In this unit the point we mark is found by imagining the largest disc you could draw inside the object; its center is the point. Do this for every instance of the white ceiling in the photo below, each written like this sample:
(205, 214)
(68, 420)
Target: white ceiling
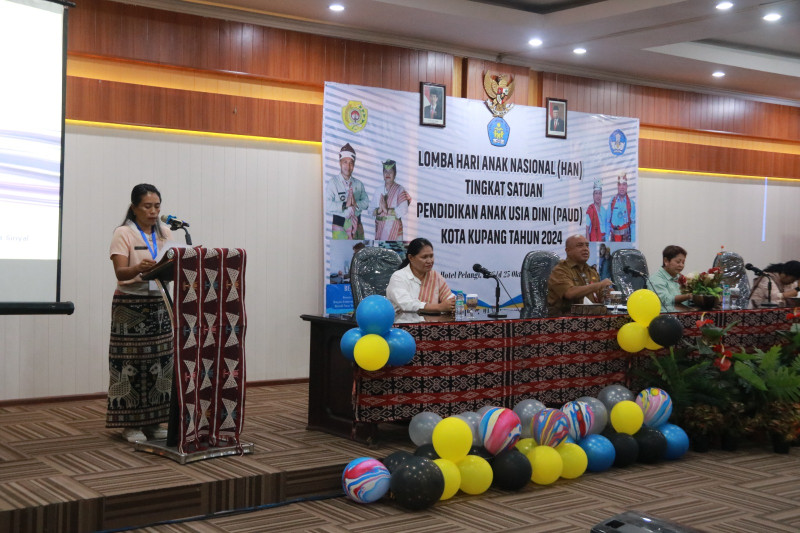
(667, 43)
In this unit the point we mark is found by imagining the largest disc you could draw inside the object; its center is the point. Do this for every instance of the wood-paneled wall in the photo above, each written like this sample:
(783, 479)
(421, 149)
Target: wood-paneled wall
(103, 30)
(676, 109)
(720, 117)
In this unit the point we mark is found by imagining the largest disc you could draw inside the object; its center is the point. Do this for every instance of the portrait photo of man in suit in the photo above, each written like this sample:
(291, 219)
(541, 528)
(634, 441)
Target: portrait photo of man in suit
(556, 118)
(432, 103)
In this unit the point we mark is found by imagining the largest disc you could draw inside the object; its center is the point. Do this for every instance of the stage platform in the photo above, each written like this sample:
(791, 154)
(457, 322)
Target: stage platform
(61, 470)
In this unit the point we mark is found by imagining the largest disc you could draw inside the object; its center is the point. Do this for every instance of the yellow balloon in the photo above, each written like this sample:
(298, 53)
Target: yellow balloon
(525, 445)
(650, 344)
(452, 439)
(546, 463)
(627, 417)
(644, 306)
(574, 458)
(371, 352)
(476, 474)
(631, 337)
(452, 477)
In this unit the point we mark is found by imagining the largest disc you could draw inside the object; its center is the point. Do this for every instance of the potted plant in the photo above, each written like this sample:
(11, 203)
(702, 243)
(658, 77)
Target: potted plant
(704, 424)
(705, 287)
(772, 394)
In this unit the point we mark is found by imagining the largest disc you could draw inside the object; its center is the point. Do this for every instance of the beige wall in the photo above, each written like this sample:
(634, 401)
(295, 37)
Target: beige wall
(266, 197)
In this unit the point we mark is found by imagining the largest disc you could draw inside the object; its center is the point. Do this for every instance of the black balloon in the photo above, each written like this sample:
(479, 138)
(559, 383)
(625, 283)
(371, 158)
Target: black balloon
(395, 459)
(480, 451)
(427, 451)
(417, 484)
(652, 445)
(608, 431)
(511, 470)
(665, 330)
(626, 448)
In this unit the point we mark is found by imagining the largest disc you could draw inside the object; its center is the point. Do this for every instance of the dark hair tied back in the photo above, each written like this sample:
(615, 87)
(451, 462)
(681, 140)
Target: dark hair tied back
(790, 268)
(137, 193)
(414, 248)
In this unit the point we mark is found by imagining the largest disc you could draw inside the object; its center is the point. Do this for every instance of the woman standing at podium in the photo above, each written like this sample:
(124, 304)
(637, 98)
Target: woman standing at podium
(140, 349)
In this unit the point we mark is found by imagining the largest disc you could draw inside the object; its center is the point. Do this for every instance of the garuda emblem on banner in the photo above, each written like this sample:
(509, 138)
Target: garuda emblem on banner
(499, 89)
(354, 116)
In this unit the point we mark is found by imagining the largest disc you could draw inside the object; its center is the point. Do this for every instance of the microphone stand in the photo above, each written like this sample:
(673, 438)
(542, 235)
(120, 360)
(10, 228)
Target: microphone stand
(496, 313)
(176, 226)
(769, 302)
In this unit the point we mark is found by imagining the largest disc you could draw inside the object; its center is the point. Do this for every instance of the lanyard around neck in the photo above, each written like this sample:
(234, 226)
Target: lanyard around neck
(154, 248)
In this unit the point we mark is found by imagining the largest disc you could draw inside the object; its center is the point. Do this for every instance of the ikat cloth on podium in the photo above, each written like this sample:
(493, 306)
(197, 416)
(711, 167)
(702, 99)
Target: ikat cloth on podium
(208, 299)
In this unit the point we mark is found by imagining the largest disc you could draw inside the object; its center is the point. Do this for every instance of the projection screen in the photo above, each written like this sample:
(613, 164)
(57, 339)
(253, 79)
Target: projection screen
(32, 37)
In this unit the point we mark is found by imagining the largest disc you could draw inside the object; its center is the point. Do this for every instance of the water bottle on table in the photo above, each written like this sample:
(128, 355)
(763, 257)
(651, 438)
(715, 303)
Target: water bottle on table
(459, 305)
(726, 297)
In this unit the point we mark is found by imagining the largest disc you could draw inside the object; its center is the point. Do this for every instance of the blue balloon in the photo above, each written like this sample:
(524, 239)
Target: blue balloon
(677, 441)
(348, 343)
(402, 346)
(375, 314)
(599, 451)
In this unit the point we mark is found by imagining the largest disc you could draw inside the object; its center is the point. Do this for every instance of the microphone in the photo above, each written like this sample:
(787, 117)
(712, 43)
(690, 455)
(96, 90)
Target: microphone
(481, 270)
(173, 221)
(633, 272)
(756, 270)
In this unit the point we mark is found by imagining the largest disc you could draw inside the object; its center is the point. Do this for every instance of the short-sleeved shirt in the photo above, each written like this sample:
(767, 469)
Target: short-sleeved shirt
(127, 241)
(565, 275)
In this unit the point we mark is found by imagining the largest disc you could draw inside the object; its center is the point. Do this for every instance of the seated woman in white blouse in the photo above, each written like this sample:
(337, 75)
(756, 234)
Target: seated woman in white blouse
(416, 286)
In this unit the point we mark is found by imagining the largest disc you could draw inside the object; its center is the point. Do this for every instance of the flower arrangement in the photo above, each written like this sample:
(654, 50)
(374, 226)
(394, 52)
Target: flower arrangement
(709, 282)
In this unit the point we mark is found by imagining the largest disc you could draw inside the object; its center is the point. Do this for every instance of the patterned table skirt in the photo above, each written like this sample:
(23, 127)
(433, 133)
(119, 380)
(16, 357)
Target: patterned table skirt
(462, 366)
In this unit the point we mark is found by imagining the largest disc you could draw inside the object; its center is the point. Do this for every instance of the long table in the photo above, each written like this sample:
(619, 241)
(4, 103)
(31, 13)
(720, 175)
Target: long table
(463, 365)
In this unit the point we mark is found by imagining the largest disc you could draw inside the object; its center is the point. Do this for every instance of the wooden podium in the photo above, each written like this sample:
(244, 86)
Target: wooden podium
(209, 324)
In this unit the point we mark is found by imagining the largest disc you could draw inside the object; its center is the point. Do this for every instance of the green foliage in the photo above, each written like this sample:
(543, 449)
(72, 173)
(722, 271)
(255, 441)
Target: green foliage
(765, 378)
(688, 381)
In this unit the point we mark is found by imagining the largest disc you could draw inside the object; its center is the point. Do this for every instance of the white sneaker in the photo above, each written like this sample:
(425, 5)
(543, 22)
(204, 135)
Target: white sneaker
(155, 432)
(133, 435)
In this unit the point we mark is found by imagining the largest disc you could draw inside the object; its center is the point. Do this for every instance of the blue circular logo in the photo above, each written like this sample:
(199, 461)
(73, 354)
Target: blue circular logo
(617, 142)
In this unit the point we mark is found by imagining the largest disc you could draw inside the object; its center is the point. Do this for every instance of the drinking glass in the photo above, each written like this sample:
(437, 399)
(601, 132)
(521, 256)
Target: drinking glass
(472, 304)
(616, 301)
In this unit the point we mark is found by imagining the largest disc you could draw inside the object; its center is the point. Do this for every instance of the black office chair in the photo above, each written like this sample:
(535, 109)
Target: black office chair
(536, 268)
(370, 270)
(734, 275)
(625, 282)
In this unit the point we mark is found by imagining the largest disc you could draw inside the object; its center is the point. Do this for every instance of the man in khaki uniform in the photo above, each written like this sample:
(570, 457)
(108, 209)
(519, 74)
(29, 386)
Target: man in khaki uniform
(572, 279)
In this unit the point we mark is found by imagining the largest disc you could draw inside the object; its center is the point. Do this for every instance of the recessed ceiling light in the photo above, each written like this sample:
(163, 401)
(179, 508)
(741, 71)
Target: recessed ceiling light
(579, 51)
(719, 74)
(535, 42)
(336, 7)
(724, 5)
(772, 17)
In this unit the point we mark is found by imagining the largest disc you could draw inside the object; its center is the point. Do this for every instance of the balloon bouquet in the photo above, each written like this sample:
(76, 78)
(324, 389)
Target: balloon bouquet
(374, 343)
(649, 328)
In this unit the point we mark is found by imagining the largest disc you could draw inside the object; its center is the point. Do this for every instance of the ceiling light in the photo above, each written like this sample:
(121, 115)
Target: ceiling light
(722, 6)
(719, 74)
(336, 7)
(772, 17)
(535, 42)
(579, 51)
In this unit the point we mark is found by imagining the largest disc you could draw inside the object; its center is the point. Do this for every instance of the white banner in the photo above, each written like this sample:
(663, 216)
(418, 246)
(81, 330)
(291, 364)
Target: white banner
(476, 201)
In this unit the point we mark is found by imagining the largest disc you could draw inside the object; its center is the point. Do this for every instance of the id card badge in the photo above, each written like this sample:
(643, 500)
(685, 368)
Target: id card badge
(153, 286)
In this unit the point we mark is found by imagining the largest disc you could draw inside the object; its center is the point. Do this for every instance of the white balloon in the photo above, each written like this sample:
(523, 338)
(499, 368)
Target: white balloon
(526, 410)
(474, 420)
(600, 414)
(420, 429)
